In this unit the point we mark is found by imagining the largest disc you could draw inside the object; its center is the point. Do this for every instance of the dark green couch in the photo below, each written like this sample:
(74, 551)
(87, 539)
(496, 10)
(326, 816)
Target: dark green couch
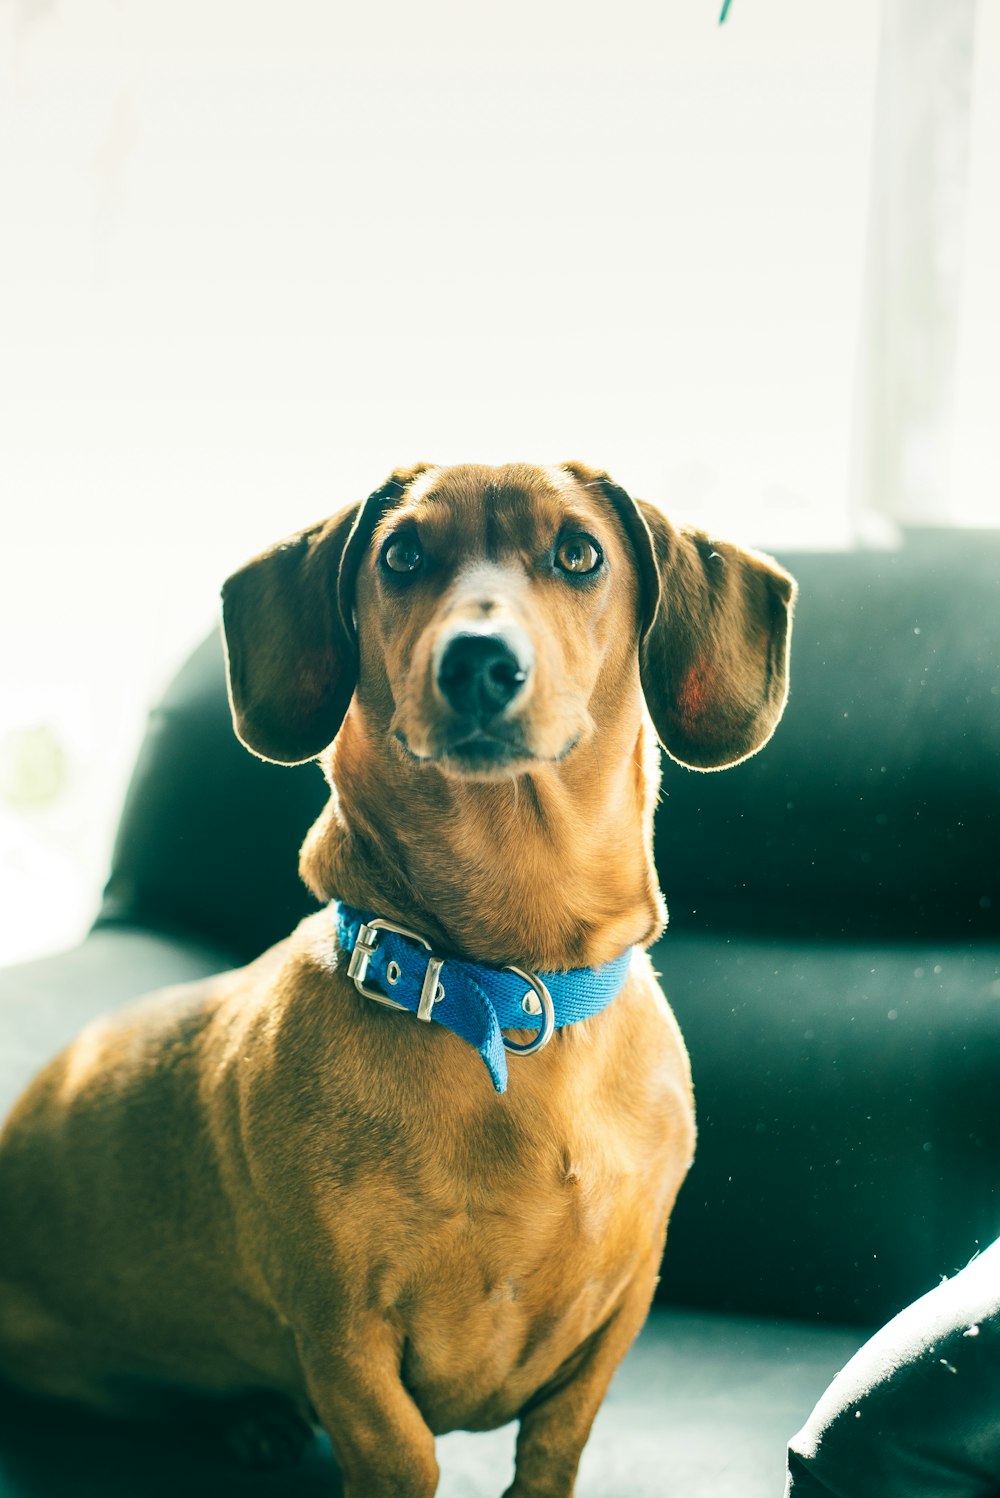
(833, 958)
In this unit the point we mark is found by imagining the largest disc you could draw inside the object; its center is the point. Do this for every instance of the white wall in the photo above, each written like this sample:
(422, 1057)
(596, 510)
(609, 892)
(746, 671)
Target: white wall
(252, 256)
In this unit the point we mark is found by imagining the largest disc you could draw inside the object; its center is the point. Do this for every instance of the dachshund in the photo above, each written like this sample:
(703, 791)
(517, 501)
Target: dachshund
(411, 1169)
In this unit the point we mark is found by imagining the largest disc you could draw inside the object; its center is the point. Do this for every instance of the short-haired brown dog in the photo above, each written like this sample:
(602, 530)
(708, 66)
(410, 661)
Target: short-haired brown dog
(267, 1185)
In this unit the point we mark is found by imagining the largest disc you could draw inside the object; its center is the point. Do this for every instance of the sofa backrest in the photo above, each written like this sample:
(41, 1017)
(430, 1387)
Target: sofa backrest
(209, 835)
(874, 811)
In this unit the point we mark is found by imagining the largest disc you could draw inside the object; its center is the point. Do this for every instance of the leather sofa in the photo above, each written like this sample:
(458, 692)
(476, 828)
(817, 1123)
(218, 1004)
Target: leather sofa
(833, 958)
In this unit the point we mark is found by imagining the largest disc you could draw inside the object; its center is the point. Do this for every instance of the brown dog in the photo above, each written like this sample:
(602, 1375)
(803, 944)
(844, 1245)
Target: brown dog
(268, 1182)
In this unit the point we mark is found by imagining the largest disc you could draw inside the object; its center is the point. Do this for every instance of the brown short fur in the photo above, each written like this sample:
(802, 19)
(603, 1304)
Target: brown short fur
(266, 1182)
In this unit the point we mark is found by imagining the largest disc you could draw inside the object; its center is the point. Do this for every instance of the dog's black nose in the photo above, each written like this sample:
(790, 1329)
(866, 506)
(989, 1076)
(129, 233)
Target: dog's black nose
(480, 674)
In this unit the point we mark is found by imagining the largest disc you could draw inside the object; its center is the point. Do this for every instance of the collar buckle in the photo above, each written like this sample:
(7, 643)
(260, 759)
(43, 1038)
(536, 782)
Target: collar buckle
(364, 949)
(537, 1000)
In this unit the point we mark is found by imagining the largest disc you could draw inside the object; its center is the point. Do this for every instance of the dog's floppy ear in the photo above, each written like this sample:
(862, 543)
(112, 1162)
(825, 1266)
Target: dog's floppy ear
(290, 641)
(715, 626)
(714, 659)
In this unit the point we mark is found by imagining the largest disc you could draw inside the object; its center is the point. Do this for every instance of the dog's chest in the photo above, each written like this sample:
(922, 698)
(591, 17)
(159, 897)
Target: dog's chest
(519, 1267)
(494, 1236)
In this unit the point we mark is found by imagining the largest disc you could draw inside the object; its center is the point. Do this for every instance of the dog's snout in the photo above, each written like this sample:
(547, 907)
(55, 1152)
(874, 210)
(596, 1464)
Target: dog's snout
(480, 674)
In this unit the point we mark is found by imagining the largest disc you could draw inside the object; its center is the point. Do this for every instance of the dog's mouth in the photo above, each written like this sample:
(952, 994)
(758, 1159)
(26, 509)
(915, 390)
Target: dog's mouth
(481, 753)
(481, 749)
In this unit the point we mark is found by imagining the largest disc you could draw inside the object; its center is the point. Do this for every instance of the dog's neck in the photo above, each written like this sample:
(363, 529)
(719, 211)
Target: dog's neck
(551, 870)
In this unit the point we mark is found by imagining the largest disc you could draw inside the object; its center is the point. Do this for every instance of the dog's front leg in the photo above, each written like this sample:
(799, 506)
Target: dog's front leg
(382, 1444)
(554, 1428)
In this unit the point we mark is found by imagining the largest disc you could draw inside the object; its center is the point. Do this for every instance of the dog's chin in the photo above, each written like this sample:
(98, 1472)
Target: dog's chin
(482, 756)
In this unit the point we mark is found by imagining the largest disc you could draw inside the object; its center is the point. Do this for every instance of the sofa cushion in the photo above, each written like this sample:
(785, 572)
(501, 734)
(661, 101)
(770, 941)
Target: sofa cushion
(45, 1003)
(708, 1402)
(847, 1116)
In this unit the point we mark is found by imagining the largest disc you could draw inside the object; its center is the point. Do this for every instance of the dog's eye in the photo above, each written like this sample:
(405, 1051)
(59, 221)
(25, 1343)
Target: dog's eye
(404, 554)
(578, 555)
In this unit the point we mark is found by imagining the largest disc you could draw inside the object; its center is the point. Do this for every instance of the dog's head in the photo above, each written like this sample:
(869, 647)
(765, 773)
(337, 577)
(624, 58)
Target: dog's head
(490, 619)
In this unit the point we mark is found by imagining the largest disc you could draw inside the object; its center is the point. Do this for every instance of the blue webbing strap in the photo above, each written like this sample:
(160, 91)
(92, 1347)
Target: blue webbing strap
(478, 1001)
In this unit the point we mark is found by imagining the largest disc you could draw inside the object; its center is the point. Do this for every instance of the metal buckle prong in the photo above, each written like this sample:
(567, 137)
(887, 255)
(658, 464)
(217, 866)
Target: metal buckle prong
(362, 953)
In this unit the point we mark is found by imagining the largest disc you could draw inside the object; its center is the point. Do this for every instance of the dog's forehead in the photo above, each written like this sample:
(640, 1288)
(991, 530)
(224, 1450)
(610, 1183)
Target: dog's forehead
(477, 506)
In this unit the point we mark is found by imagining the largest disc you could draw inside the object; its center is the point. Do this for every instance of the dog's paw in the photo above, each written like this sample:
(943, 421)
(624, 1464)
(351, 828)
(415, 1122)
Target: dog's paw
(267, 1432)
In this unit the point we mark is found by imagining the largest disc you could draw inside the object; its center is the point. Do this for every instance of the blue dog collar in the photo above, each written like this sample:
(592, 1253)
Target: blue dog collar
(476, 1002)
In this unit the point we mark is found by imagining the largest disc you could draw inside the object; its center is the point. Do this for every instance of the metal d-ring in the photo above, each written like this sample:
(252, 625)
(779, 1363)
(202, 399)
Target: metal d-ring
(548, 1015)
